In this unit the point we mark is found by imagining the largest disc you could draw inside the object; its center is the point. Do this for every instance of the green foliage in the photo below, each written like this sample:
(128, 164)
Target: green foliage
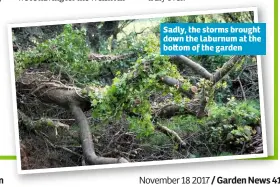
(158, 139)
(184, 124)
(234, 121)
(67, 53)
(243, 113)
(227, 125)
(131, 90)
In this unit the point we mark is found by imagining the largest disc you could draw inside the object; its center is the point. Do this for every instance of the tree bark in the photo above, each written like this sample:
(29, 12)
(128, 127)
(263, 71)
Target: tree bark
(193, 65)
(86, 140)
(193, 108)
(71, 98)
(218, 75)
(172, 134)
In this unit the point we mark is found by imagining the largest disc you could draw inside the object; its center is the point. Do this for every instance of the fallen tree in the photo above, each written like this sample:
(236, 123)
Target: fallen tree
(77, 100)
(144, 92)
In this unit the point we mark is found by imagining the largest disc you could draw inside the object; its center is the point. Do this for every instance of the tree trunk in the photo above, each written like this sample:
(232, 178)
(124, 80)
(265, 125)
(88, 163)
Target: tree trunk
(71, 98)
(86, 140)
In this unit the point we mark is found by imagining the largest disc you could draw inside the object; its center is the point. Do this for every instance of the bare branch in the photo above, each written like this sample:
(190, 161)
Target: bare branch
(218, 75)
(172, 134)
(35, 124)
(100, 57)
(242, 89)
(193, 107)
(195, 66)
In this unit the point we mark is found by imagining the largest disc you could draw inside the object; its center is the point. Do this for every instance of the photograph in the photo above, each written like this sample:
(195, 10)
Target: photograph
(96, 93)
